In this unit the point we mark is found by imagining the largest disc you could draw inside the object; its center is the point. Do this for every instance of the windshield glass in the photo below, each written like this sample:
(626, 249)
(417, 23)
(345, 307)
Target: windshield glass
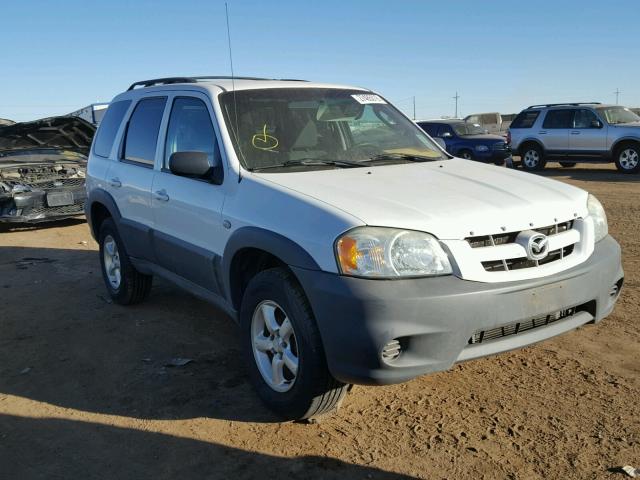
(615, 115)
(465, 128)
(318, 127)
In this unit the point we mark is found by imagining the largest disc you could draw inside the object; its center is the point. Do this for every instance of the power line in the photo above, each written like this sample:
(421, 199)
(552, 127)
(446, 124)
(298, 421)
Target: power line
(617, 92)
(456, 99)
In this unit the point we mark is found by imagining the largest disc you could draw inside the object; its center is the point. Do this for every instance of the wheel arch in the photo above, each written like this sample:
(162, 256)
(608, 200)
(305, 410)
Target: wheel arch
(100, 205)
(529, 141)
(624, 141)
(251, 250)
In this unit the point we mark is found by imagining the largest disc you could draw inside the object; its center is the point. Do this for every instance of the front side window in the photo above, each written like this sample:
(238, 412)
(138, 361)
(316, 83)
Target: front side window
(558, 119)
(191, 130)
(617, 115)
(584, 118)
(310, 128)
(142, 134)
(109, 127)
(445, 131)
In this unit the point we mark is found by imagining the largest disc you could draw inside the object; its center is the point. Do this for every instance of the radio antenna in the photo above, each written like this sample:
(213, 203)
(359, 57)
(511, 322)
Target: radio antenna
(233, 87)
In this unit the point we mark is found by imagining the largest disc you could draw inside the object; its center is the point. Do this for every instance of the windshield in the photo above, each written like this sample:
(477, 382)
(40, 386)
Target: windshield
(464, 129)
(320, 128)
(615, 115)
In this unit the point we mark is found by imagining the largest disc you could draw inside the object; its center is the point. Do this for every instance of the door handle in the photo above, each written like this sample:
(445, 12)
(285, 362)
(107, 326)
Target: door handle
(542, 132)
(161, 195)
(575, 133)
(115, 182)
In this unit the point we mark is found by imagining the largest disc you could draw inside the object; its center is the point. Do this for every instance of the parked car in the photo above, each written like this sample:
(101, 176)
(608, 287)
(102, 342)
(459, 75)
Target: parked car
(469, 141)
(42, 169)
(346, 243)
(577, 132)
(493, 122)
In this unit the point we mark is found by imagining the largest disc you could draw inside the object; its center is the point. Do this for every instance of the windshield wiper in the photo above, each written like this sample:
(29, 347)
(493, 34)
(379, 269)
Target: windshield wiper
(311, 162)
(402, 156)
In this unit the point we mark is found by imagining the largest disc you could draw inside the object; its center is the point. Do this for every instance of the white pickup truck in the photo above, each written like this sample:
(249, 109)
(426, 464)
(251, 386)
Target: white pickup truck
(348, 245)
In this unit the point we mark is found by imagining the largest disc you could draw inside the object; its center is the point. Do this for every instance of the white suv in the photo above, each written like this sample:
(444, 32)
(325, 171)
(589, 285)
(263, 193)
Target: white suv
(347, 244)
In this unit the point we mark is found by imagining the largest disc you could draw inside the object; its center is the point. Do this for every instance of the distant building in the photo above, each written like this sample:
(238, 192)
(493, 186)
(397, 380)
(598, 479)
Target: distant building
(92, 113)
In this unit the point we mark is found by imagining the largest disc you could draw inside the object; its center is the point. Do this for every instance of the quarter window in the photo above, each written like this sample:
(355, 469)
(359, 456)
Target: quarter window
(190, 130)
(525, 119)
(558, 119)
(142, 132)
(109, 127)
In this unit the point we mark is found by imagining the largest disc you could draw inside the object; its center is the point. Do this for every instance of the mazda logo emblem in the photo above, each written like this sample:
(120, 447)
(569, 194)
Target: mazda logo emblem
(535, 244)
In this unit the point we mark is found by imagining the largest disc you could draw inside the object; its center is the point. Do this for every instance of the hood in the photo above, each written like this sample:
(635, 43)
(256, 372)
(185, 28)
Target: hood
(633, 125)
(483, 136)
(65, 133)
(449, 198)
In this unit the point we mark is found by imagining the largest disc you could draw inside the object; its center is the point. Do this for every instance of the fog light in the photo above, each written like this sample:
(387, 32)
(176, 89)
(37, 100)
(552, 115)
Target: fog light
(391, 350)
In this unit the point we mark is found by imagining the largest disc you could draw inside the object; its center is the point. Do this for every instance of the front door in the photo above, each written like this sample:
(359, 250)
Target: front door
(588, 135)
(189, 237)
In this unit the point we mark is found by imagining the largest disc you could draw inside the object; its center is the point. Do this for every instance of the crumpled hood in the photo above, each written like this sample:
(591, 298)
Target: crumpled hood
(68, 133)
(451, 199)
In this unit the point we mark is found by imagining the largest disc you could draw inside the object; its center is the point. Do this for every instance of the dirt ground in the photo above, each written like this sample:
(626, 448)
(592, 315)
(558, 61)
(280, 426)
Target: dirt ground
(85, 391)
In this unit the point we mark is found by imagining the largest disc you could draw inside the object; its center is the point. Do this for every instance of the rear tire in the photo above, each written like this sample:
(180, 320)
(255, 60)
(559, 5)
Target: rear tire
(272, 303)
(126, 286)
(532, 158)
(628, 158)
(568, 164)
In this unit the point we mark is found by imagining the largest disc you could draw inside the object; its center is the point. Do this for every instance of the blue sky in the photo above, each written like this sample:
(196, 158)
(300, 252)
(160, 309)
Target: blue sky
(499, 55)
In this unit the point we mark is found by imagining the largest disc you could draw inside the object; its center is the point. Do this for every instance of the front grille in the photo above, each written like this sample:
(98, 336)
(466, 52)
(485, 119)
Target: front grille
(483, 336)
(48, 184)
(77, 208)
(500, 146)
(518, 263)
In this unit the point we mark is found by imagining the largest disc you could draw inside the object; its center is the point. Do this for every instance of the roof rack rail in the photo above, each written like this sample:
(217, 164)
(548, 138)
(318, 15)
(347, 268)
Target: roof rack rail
(171, 80)
(573, 104)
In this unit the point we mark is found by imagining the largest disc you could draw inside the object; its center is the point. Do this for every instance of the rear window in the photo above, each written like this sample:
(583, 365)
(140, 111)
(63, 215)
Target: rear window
(525, 119)
(109, 127)
(142, 133)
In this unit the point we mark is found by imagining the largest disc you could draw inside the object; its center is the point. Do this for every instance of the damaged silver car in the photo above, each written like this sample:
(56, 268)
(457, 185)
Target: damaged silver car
(42, 169)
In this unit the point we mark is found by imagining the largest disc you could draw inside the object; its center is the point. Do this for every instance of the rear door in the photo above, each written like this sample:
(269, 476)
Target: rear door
(554, 134)
(130, 178)
(588, 135)
(189, 237)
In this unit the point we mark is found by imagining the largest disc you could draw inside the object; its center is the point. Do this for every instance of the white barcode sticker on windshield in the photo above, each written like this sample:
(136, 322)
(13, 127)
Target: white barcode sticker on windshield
(365, 98)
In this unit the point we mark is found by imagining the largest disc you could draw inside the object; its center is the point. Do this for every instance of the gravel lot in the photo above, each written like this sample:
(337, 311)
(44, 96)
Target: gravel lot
(85, 393)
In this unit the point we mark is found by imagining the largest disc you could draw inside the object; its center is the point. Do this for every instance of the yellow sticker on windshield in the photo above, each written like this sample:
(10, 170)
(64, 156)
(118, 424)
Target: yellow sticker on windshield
(264, 141)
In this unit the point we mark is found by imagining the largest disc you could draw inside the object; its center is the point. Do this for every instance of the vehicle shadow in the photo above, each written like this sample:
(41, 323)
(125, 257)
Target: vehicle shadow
(34, 448)
(63, 342)
(597, 172)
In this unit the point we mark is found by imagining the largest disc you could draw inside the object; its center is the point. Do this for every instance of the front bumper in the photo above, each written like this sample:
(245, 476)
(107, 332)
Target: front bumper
(434, 318)
(38, 205)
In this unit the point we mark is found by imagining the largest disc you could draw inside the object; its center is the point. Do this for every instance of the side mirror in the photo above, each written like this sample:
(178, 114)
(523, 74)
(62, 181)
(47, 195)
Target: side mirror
(190, 164)
(446, 135)
(596, 124)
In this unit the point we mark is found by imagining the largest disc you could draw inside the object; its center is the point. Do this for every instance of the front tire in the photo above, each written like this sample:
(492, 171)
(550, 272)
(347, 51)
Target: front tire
(532, 158)
(126, 286)
(466, 154)
(283, 349)
(628, 159)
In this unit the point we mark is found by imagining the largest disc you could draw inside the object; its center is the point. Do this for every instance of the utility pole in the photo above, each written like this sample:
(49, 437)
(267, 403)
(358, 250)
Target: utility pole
(414, 107)
(456, 98)
(617, 92)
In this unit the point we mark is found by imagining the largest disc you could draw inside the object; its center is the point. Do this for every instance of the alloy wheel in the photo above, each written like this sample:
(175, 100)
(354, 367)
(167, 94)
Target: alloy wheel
(274, 344)
(531, 158)
(629, 159)
(112, 262)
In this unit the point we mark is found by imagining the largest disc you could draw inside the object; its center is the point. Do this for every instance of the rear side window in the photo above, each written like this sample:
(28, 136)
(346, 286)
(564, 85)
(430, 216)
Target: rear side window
(109, 127)
(142, 132)
(525, 119)
(558, 119)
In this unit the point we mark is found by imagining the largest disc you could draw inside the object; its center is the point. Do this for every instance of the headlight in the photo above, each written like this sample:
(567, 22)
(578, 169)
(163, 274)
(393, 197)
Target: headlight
(597, 213)
(482, 148)
(389, 252)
